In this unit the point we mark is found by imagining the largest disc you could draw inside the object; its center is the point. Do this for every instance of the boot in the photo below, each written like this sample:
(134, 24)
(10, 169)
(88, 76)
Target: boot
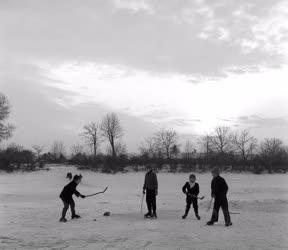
(197, 216)
(210, 223)
(154, 215)
(228, 224)
(148, 215)
(184, 216)
(75, 216)
(62, 220)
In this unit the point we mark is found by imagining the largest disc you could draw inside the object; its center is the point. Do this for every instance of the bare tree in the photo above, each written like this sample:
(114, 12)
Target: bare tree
(58, 149)
(5, 129)
(188, 149)
(38, 149)
(120, 149)
(151, 147)
(272, 151)
(111, 130)
(244, 143)
(77, 149)
(175, 151)
(166, 138)
(221, 140)
(92, 136)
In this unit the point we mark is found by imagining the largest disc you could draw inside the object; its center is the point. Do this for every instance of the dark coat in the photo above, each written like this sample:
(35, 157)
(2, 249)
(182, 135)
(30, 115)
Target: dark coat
(188, 190)
(219, 187)
(150, 181)
(68, 191)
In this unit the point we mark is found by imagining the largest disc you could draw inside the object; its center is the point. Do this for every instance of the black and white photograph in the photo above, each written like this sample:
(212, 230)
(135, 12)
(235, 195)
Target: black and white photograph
(143, 124)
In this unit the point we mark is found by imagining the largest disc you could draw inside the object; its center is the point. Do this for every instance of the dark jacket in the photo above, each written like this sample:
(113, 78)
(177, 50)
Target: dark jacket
(68, 191)
(219, 187)
(188, 190)
(151, 181)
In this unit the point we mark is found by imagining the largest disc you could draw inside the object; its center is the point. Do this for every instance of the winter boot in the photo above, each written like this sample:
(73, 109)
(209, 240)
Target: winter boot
(148, 215)
(62, 220)
(184, 216)
(75, 216)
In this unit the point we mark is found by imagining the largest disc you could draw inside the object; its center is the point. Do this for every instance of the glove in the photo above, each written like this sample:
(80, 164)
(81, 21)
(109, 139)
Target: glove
(143, 191)
(83, 196)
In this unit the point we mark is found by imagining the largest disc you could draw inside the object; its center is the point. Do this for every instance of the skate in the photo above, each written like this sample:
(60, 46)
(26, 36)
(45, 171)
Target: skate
(154, 215)
(210, 223)
(148, 215)
(228, 224)
(75, 216)
(62, 220)
(197, 216)
(184, 216)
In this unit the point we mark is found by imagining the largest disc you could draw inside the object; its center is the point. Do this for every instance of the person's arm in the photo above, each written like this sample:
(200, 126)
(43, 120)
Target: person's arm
(213, 188)
(77, 193)
(184, 188)
(225, 187)
(197, 189)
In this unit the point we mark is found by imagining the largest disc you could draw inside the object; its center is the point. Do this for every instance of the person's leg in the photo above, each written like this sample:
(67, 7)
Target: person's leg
(195, 206)
(72, 207)
(148, 202)
(64, 210)
(225, 209)
(188, 205)
(215, 212)
(153, 203)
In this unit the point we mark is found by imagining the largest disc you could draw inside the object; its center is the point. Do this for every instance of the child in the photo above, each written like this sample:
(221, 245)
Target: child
(219, 189)
(66, 197)
(191, 189)
(151, 189)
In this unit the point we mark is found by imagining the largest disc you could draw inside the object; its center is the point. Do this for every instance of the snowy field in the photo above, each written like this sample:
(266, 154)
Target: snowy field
(30, 210)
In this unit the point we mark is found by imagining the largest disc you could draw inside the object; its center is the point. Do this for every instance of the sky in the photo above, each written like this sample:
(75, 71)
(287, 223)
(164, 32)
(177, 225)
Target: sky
(189, 65)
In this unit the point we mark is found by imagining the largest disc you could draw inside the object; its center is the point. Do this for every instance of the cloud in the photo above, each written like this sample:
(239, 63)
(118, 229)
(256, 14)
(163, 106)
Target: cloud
(133, 5)
(197, 38)
(256, 121)
(185, 64)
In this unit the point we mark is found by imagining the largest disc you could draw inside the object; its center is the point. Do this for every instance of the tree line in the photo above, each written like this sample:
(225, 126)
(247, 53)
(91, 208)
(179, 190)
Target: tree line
(231, 150)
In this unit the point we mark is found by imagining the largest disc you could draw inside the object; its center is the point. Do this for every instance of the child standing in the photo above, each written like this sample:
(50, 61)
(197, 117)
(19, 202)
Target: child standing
(66, 197)
(191, 189)
(219, 189)
(150, 187)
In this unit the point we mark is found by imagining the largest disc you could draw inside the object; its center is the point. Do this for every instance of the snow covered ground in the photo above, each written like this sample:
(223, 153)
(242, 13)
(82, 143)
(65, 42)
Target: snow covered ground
(30, 210)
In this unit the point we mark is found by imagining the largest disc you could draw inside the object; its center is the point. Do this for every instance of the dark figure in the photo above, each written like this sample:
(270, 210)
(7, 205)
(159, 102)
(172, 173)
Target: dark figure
(219, 189)
(69, 176)
(191, 189)
(151, 189)
(66, 197)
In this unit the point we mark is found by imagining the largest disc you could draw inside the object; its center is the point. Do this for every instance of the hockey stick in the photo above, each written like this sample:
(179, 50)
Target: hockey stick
(209, 205)
(234, 212)
(97, 192)
(141, 209)
(198, 197)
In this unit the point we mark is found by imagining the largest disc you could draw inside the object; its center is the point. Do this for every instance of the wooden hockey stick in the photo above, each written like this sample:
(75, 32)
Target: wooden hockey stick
(198, 197)
(89, 195)
(141, 209)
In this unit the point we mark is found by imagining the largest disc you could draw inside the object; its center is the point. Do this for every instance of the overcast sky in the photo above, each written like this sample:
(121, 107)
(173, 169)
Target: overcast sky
(188, 65)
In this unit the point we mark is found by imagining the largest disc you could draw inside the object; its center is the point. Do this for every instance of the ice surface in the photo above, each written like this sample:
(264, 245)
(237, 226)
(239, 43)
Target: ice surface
(30, 210)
